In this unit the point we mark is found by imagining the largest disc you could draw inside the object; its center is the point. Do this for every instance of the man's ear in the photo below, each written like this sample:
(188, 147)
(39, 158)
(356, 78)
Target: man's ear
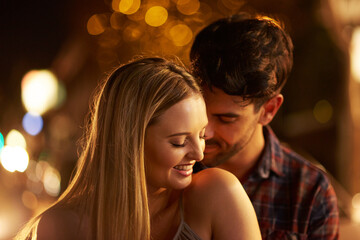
(270, 108)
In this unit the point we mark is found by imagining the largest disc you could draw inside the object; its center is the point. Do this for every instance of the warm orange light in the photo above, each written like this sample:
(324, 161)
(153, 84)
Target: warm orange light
(29, 200)
(323, 111)
(39, 91)
(233, 4)
(109, 39)
(156, 16)
(126, 6)
(188, 7)
(132, 33)
(181, 34)
(163, 3)
(96, 24)
(116, 21)
(204, 13)
(355, 55)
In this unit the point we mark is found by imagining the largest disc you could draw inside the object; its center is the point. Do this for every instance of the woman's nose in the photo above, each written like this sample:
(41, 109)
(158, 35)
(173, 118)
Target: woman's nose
(197, 151)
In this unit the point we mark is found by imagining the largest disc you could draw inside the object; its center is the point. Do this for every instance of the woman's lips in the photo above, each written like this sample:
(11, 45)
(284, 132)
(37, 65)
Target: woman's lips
(185, 170)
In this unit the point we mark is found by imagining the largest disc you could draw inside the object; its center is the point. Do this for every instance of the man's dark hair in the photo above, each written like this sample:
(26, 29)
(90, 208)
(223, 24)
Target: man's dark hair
(245, 55)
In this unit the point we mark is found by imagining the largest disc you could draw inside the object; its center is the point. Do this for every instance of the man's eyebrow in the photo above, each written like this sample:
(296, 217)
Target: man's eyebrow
(230, 115)
(179, 134)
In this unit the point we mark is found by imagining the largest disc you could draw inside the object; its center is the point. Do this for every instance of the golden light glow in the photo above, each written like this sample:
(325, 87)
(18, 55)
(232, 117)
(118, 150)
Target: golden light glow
(15, 138)
(127, 7)
(29, 200)
(204, 13)
(323, 111)
(181, 34)
(5, 226)
(109, 39)
(51, 180)
(233, 4)
(96, 24)
(132, 33)
(356, 208)
(163, 3)
(39, 91)
(355, 55)
(116, 21)
(188, 7)
(156, 16)
(14, 158)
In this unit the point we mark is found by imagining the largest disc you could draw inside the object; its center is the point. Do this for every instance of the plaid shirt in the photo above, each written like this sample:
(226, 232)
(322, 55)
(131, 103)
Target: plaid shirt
(292, 198)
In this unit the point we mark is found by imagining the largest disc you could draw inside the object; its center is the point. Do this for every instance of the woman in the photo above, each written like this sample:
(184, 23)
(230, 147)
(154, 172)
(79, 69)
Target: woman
(134, 178)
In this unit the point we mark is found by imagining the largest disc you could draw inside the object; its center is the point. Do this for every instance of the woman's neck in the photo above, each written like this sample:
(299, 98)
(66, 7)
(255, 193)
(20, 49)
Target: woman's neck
(164, 213)
(160, 199)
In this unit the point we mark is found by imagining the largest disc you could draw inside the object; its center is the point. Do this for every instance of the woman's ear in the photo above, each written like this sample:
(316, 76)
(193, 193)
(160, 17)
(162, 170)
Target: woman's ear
(270, 109)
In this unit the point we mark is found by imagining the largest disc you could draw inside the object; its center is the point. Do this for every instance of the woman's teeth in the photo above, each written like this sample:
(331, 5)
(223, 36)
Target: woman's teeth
(183, 167)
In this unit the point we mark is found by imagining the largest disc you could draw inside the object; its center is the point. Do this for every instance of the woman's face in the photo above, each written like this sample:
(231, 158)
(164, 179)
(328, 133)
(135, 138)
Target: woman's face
(174, 143)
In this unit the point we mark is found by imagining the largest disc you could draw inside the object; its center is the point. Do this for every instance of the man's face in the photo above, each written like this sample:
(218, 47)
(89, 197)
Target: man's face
(233, 127)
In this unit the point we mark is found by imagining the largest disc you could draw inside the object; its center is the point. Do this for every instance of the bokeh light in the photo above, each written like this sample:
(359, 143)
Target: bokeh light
(32, 123)
(356, 208)
(109, 39)
(41, 167)
(35, 187)
(29, 200)
(39, 91)
(126, 6)
(96, 24)
(11, 216)
(15, 138)
(355, 54)
(31, 171)
(188, 7)
(323, 111)
(51, 180)
(132, 32)
(156, 16)
(2, 142)
(181, 34)
(117, 21)
(61, 94)
(4, 227)
(14, 158)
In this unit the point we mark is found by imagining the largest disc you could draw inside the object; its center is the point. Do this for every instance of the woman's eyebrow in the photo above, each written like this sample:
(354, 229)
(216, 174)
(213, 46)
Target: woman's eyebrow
(179, 134)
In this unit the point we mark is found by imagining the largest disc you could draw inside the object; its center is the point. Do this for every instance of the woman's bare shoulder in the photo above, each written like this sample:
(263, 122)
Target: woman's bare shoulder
(214, 181)
(61, 223)
(218, 196)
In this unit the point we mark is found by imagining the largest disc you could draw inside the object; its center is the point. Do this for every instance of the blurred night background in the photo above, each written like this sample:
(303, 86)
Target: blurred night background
(54, 53)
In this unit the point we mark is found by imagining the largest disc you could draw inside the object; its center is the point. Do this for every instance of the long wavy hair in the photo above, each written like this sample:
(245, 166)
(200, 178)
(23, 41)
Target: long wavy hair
(109, 184)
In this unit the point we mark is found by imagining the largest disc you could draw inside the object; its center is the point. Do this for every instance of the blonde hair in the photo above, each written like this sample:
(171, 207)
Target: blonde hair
(110, 184)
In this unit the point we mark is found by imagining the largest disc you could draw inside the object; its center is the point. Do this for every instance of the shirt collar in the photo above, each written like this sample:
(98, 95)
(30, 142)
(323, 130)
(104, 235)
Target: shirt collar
(272, 157)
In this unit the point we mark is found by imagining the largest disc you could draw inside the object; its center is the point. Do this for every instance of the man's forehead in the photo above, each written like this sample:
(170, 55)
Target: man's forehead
(221, 95)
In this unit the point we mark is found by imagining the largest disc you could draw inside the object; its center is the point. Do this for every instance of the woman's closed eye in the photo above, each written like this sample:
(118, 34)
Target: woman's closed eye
(202, 134)
(179, 143)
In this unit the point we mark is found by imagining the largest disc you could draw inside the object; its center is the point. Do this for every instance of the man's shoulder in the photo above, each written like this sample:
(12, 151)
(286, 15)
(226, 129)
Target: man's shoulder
(305, 170)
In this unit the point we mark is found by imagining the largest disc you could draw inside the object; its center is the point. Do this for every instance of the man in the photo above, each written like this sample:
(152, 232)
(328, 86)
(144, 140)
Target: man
(243, 63)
